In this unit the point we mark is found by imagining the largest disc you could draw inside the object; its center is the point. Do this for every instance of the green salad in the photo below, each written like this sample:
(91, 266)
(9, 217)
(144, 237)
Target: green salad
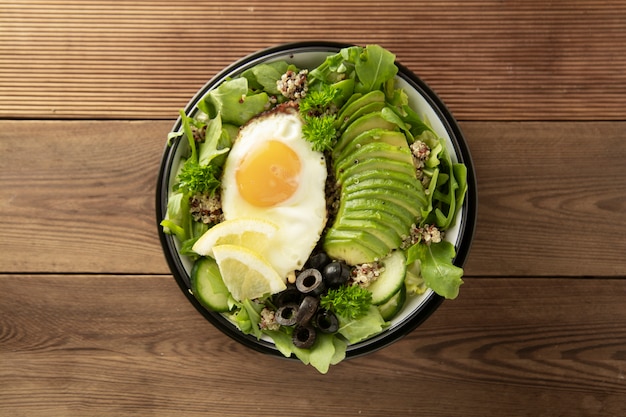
(323, 246)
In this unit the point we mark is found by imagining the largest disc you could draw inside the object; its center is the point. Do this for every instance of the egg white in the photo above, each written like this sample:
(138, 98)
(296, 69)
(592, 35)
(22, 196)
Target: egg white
(300, 218)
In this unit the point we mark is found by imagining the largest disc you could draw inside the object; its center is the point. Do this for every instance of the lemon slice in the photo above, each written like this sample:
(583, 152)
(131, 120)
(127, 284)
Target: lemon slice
(251, 233)
(246, 274)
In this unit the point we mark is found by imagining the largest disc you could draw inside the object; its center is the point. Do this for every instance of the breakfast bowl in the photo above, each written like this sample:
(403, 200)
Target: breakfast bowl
(344, 119)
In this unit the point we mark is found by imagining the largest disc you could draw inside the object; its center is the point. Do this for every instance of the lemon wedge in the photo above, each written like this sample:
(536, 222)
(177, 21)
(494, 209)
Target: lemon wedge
(254, 234)
(246, 274)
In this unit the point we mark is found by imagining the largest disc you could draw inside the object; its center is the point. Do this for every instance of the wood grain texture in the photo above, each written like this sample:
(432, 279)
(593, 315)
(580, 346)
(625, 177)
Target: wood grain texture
(79, 197)
(126, 345)
(487, 59)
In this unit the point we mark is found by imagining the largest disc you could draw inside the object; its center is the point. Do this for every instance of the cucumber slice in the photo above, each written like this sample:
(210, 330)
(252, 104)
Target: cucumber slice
(391, 308)
(207, 285)
(391, 279)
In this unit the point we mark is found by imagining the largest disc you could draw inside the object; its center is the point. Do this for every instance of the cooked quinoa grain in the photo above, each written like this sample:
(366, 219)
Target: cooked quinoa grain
(206, 208)
(293, 85)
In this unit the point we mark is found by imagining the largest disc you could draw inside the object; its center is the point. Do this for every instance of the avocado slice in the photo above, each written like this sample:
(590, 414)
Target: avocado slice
(363, 124)
(354, 108)
(352, 204)
(355, 246)
(379, 150)
(375, 164)
(413, 192)
(392, 197)
(371, 102)
(386, 233)
(400, 226)
(391, 137)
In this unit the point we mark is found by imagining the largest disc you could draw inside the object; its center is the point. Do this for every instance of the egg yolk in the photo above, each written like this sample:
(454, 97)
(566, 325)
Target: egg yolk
(269, 174)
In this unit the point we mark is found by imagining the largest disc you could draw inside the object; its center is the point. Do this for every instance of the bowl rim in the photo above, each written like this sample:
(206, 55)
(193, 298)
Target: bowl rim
(467, 220)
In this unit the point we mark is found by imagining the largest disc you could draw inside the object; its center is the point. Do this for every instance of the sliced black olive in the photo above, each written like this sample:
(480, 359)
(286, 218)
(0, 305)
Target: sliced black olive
(307, 309)
(286, 315)
(289, 296)
(326, 321)
(310, 281)
(336, 274)
(304, 336)
(318, 261)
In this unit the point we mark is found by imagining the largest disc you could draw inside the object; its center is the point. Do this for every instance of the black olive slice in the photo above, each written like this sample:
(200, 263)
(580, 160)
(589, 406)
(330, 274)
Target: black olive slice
(318, 261)
(304, 336)
(286, 315)
(288, 296)
(307, 309)
(336, 273)
(310, 281)
(326, 321)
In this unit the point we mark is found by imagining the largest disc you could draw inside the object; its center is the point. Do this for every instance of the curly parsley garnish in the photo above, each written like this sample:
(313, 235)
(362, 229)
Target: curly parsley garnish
(318, 110)
(350, 302)
(198, 179)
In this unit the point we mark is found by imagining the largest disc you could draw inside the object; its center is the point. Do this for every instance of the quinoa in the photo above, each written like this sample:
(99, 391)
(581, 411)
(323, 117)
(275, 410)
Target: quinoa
(293, 85)
(206, 208)
(268, 320)
(420, 152)
(367, 273)
(429, 233)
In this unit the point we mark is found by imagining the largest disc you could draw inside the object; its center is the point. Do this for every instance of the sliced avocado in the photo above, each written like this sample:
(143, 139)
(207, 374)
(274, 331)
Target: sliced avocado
(414, 192)
(355, 105)
(353, 204)
(374, 164)
(385, 232)
(390, 220)
(371, 102)
(346, 250)
(401, 177)
(341, 124)
(374, 150)
(391, 137)
(363, 124)
(353, 245)
(388, 197)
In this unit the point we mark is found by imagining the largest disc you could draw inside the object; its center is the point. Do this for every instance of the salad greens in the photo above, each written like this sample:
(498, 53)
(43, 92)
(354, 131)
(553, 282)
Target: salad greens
(339, 80)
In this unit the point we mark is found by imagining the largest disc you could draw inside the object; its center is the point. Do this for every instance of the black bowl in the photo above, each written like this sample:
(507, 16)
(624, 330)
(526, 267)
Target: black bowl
(422, 98)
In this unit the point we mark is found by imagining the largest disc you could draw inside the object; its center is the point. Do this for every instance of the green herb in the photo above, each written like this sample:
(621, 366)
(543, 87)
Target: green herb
(321, 132)
(195, 178)
(319, 112)
(351, 301)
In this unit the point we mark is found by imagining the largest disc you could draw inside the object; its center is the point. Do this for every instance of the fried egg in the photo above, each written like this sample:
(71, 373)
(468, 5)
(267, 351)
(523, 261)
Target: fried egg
(272, 173)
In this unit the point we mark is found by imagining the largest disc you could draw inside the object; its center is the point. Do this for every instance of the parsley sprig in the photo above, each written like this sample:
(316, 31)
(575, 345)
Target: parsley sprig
(318, 110)
(198, 179)
(350, 301)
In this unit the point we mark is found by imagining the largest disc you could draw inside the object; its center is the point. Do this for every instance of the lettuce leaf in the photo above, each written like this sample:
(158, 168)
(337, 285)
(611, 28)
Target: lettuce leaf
(328, 349)
(356, 330)
(233, 101)
(436, 267)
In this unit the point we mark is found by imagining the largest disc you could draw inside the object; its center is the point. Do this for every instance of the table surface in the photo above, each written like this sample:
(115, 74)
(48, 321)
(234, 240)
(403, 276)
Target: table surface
(92, 322)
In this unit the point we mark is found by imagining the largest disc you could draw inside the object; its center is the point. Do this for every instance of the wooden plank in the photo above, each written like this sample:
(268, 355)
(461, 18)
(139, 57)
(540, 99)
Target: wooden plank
(79, 197)
(487, 59)
(133, 345)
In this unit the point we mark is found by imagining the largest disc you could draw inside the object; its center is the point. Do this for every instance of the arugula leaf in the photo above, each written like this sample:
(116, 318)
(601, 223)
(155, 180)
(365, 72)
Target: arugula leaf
(374, 66)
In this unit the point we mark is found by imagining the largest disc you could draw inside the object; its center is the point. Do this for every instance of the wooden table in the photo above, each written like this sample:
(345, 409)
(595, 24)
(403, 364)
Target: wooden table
(92, 322)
